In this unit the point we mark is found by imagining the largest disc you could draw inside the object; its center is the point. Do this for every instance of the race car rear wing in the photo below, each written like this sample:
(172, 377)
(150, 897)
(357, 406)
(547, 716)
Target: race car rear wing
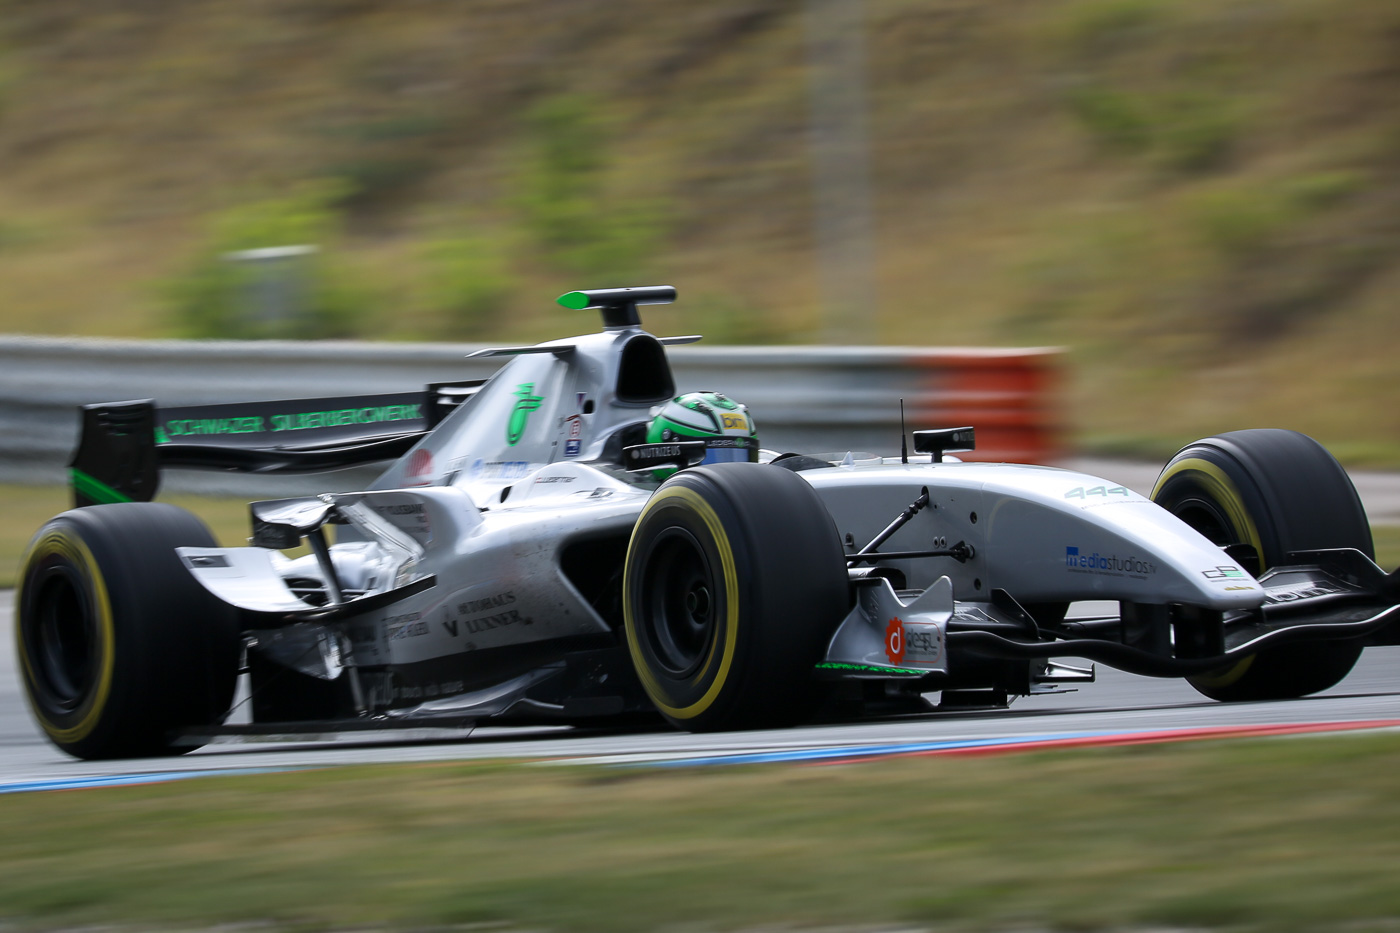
(123, 446)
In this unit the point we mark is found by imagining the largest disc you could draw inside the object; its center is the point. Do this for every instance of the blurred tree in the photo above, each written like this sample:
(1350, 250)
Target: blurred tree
(583, 226)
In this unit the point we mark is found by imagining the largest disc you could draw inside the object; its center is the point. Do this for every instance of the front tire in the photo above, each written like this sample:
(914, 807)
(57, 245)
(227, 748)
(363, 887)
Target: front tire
(1265, 493)
(119, 646)
(735, 581)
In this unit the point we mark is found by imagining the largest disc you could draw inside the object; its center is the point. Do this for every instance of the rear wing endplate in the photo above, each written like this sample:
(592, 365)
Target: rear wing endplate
(123, 446)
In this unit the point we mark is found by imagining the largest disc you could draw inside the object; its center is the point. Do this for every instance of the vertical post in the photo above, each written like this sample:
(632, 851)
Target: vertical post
(839, 146)
(276, 288)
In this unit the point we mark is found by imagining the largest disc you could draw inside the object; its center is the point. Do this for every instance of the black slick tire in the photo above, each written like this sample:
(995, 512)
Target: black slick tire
(1268, 492)
(118, 645)
(735, 581)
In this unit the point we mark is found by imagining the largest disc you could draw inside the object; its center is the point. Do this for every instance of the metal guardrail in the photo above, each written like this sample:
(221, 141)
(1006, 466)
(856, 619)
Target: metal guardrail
(811, 399)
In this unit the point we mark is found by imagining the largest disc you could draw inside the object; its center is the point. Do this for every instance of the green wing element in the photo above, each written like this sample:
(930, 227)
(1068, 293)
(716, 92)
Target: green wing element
(529, 401)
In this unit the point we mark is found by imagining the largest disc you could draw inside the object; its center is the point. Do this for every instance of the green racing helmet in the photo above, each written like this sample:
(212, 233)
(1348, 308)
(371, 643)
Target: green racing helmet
(722, 423)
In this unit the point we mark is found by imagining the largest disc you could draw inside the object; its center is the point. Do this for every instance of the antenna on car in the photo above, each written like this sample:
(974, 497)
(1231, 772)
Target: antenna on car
(619, 305)
(903, 440)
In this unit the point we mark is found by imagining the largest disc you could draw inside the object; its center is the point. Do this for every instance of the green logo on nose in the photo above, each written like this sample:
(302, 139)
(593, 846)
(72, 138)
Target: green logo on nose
(528, 402)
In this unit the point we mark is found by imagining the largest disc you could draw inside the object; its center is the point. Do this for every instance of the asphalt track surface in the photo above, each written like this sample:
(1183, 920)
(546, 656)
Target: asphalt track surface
(1118, 703)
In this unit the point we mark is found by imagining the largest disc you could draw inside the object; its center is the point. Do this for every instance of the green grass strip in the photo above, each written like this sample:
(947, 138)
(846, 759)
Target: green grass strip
(1295, 834)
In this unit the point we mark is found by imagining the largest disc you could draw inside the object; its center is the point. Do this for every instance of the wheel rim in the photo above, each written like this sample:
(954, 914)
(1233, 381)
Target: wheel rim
(62, 633)
(1206, 516)
(681, 599)
(1208, 519)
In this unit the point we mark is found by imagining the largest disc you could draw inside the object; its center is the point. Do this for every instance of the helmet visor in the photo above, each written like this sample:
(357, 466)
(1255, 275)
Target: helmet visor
(731, 450)
(726, 455)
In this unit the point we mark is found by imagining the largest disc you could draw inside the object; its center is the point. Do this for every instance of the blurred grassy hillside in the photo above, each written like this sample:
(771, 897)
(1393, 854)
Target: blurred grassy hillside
(1200, 199)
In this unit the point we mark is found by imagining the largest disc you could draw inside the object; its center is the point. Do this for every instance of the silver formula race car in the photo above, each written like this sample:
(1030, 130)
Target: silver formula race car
(538, 552)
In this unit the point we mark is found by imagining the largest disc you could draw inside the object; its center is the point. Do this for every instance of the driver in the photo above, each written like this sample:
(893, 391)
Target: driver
(722, 423)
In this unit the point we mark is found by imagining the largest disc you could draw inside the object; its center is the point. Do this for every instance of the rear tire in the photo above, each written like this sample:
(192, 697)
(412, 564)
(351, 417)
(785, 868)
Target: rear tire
(1272, 491)
(119, 646)
(735, 582)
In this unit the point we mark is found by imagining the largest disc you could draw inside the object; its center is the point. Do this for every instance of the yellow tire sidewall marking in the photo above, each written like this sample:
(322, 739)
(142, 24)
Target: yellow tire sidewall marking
(1224, 677)
(68, 546)
(1224, 492)
(1227, 495)
(654, 690)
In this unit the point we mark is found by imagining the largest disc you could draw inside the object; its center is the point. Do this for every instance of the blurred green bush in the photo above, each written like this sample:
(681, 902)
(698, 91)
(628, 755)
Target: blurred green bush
(468, 282)
(316, 295)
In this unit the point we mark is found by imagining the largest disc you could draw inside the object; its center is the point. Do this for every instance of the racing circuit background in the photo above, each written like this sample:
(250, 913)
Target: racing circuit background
(1094, 229)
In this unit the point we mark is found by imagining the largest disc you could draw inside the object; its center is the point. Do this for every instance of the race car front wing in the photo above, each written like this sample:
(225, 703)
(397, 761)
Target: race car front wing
(1323, 596)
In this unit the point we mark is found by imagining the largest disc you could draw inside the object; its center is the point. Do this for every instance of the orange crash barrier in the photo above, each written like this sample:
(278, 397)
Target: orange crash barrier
(1010, 396)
